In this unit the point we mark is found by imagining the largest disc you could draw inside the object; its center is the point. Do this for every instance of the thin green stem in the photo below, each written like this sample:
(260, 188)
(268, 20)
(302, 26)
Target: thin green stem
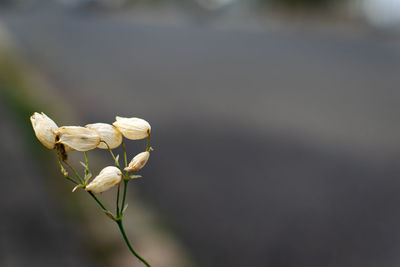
(121, 228)
(60, 162)
(72, 168)
(125, 158)
(125, 179)
(70, 179)
(124, 194)
(112, 154)
(64, 172)
(98, 201)
(119, 186)
(87, 163)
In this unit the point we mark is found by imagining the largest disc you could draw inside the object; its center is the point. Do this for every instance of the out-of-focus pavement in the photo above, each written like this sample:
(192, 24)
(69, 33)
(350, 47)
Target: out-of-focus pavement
(272, 148)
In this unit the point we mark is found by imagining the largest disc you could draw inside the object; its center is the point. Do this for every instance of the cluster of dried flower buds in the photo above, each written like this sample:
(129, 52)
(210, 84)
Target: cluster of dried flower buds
(96, 135)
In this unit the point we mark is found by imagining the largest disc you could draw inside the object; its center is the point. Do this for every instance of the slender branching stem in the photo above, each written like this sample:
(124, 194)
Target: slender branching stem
(121, 228)
(65, 173)
(70, 179)
(117, 205)
(125, 179)
(87, 163)
(125, 158)
(112, 154)
(98, 202)
(72, 168)
(124, 195)
(119, 209)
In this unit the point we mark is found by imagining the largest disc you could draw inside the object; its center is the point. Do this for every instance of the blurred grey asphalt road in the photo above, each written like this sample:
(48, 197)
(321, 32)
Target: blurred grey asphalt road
(275, 148)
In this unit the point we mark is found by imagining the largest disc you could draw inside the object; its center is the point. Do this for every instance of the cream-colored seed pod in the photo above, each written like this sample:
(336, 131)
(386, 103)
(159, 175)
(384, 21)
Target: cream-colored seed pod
(78, 138)
(107, 178)
(45, 129)
(108, 133)
(138, 162)
(133, 128)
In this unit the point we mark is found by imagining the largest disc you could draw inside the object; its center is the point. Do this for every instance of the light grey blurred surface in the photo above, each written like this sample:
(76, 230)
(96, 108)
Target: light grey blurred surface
(275, 148)
(336, 85)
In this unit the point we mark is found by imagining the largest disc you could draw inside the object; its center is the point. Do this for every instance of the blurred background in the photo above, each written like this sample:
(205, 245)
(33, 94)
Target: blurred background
(274, 123)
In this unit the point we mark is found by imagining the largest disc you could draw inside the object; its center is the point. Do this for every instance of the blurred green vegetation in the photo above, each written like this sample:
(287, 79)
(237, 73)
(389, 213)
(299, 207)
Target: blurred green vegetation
(21, 98)
(14, 89)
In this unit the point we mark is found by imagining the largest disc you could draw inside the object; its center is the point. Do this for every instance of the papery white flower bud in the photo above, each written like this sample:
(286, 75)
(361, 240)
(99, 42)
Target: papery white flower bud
(45, 129)
(107, 178)
(132, 128)
(108, 133)
(138, 162)
(78, 138)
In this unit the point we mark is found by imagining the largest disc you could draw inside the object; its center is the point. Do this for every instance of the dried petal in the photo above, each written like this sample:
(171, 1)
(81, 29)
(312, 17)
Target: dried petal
(45, 129)
(107, 178)
(108, 133)
(78, 138)
(138, 162)
(133, 128)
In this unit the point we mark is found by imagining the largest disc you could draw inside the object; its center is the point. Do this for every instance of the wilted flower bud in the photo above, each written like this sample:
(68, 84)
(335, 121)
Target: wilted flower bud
(108, 133)
(45, 129)
(138, 162)
(107, 178)
(133, 128)
(78, 138)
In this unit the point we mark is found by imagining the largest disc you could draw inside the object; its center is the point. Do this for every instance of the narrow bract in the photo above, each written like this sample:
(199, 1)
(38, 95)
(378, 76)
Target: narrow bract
(133, 128)
(78, 138)
(138, 162)
(45, 129)
(107, 178)
(108, 133)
